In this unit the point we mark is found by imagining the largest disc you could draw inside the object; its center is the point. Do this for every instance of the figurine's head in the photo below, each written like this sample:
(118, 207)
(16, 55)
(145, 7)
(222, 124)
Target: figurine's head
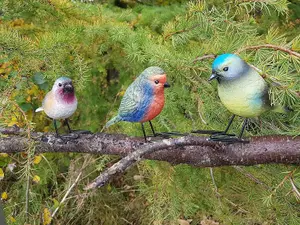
(64, 89)
(156, 76)
(228, 67)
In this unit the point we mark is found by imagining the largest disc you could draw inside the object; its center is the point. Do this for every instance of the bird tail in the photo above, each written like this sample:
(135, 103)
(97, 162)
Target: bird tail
(281, 109)
(39, 109)
(113, 121)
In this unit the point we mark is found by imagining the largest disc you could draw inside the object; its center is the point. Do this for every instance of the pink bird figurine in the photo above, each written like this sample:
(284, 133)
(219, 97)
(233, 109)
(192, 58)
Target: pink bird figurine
(60, 102)
(144, 99)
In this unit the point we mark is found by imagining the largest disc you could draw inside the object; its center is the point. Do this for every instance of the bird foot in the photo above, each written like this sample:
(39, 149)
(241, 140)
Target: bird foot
(211, 132)
(81, 132)
(169, 134)
(68, 137)
(230, 139)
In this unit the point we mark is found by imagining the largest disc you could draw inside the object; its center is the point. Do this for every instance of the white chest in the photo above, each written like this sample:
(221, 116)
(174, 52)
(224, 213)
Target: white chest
(61, 111)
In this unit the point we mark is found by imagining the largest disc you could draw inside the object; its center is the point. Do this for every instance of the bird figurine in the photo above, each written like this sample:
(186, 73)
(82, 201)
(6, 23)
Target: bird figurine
(144, 99)
(60, 102)
(242, 91)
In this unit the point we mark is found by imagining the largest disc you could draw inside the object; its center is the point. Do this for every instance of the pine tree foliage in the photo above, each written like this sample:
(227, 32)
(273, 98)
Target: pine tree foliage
(103, 48)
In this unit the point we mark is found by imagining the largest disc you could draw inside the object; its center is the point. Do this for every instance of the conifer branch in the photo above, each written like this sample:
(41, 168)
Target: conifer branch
(193, 150)
(260, 1)
(275, 47)
(181, 31)
(200, 58)
(295, 189)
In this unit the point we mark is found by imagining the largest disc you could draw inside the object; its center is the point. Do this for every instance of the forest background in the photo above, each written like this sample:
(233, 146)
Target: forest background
(103, 46)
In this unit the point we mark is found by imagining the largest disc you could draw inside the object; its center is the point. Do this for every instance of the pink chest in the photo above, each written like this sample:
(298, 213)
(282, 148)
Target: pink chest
(155, 108)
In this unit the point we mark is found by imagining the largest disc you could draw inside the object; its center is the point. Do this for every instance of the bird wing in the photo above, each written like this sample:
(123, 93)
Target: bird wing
(265, 96)
(45, 102)
(131, 100)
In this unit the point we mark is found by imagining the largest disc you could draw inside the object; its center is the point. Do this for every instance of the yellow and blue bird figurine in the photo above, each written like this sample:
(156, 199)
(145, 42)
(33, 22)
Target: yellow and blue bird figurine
(60, 102)
(242, 91)
(144, 99)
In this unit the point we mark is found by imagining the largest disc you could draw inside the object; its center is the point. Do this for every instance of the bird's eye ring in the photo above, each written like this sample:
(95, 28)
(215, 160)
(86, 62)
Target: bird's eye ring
(59, 84)
(156, 81)
(225, 68)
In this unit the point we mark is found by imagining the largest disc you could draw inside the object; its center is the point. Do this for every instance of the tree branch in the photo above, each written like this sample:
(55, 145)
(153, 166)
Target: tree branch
(181, 31)
(275, 47)
(193, 150)
(209, 56)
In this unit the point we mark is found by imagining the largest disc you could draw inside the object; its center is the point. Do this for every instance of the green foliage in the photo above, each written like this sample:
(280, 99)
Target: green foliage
(103, 48)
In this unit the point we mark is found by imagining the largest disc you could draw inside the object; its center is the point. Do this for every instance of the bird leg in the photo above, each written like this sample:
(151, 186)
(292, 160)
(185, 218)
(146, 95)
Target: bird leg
(165, 134)
(67, 122)
(245, 123)
(56, 131)
(143, 129)
(223, 137)
(76, 131)
(154, 134)
(215, 132)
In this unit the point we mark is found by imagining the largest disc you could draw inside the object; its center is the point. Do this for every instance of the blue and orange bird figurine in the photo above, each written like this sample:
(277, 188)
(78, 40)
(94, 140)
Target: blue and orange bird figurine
(242, 91)
(144, 99)
(60, 102)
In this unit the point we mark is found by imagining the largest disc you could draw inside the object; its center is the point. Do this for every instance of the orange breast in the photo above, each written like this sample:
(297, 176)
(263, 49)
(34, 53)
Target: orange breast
(156, 106)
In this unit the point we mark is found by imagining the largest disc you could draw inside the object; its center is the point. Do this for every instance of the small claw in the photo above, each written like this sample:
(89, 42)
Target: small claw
(81, 132)
(206, 132)
(211, 132)
(228, 139)
(223, 134)
(172, 133)
(70, 136)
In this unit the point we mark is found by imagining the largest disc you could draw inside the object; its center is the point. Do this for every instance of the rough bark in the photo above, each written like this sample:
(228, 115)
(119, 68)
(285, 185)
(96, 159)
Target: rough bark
(260, 150)
(193, 150)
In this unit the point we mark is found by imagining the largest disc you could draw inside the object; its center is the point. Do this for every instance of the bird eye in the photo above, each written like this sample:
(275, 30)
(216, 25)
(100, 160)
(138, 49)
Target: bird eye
(59, 84)
(225, 68)
(156, 81)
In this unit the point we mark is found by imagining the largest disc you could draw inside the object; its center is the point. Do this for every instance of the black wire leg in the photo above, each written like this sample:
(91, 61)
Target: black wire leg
(165, 134)
(215, 132)
(76, 131)
(56, 131)
(154, 134)
(143, 129)
(245, 123)
(230, 139)
(67, 122)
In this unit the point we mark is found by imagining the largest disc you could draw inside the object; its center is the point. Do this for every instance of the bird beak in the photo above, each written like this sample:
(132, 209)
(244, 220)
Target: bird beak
(214, 75)
(166, 85)
(68, 88)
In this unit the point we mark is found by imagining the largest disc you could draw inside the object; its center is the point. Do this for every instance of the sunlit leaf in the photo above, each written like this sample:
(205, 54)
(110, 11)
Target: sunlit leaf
(4, 195)
(36, 179)
(1, 174)
(37, 159)
(46, 217)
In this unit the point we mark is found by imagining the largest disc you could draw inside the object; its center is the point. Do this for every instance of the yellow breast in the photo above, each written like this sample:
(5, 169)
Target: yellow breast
(242, 97)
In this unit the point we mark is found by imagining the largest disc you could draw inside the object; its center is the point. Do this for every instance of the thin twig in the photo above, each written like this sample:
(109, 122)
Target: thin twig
(213, 178)
(199, 111)
(295, 189)
(182, 31)
(289, 175)
(246, 1)
(66, 195)
(200, 58)
(275, 47)
(251, 177)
